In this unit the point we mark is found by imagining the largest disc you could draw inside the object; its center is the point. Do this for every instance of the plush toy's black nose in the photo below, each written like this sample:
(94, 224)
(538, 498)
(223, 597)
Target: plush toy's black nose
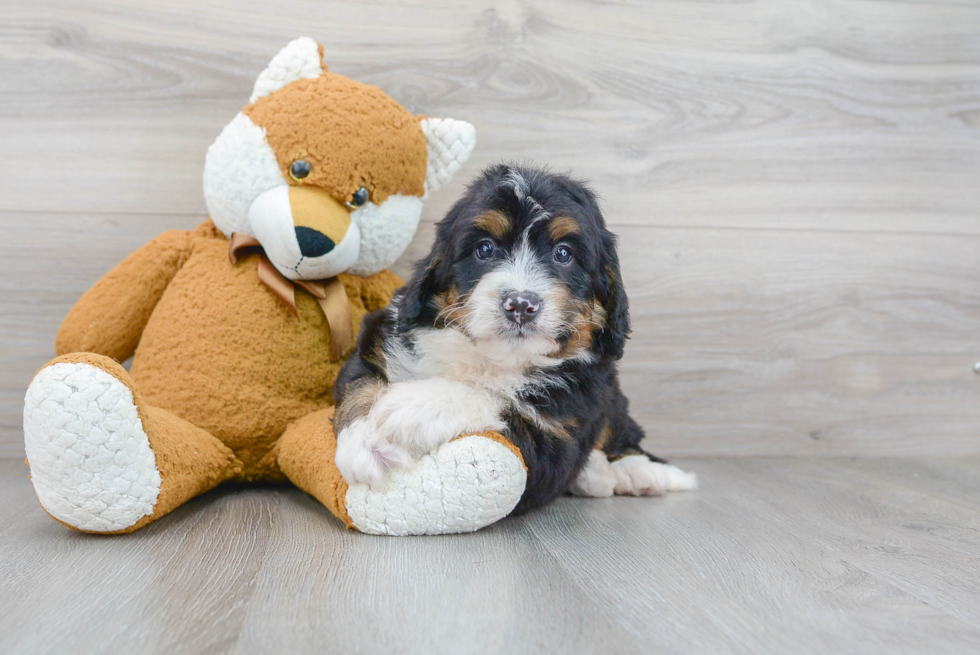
(522, 306)
(313, 243)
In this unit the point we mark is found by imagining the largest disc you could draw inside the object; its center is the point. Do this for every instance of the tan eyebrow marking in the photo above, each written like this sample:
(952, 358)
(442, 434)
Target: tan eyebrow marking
(496, 223)
(561, 226)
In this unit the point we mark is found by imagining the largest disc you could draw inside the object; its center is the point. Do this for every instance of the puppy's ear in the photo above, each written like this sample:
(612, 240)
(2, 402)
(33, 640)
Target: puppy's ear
(432, 274)
(611, 294)
(418, 291)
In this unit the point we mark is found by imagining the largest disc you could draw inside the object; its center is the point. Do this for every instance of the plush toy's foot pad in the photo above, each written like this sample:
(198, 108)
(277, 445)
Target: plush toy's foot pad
(91, 462)
(463, 486)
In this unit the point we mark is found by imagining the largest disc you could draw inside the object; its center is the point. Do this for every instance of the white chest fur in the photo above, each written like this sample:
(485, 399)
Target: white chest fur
(445, 385)
(498, 366)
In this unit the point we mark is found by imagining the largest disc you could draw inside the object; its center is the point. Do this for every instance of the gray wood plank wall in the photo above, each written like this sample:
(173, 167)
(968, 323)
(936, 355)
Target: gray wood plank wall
(796, 184)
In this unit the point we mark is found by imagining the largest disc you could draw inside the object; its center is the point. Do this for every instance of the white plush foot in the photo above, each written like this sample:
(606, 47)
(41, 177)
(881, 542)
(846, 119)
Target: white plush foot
(91, 462)
(636, 475)
(463, 486)
(597, 479)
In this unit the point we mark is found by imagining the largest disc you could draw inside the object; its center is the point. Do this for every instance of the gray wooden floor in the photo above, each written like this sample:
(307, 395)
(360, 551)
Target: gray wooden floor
(773, 555)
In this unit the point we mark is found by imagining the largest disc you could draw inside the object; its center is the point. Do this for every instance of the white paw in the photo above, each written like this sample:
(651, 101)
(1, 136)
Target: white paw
(597, 479)
(421, 415)
(365, 456)
(636, 475)
(409, 420)
(91, 462)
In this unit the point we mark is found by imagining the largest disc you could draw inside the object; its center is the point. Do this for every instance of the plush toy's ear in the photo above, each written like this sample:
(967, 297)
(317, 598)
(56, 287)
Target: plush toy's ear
(450, 143)
(300, 59)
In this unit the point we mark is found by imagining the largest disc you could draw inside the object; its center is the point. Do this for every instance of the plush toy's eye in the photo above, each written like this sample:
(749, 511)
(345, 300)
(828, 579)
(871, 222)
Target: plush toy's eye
(360, 197)
(563, 254)
(484, 250)
(300, 169)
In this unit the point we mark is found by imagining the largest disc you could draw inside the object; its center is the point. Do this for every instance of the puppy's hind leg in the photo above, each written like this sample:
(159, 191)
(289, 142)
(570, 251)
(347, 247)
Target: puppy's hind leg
(638, 475)
(630, 475)
(597, 478)
(637, 472)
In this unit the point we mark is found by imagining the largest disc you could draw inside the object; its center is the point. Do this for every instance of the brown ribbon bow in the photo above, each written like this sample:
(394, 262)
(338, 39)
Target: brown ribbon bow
(329, 294)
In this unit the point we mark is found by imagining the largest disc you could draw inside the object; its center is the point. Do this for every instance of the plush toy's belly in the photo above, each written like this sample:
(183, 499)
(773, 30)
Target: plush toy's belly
(224, 353)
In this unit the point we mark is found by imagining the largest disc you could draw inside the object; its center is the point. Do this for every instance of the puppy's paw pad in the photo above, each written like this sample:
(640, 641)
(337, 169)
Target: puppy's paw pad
(636, 475)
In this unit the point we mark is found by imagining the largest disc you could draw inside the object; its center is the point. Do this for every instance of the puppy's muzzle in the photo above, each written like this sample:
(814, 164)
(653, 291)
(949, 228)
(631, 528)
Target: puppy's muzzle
(521, 307)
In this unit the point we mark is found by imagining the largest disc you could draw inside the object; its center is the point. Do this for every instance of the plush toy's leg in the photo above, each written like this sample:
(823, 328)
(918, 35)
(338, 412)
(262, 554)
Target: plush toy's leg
(466, 484)
(101, 459)
(305, 455)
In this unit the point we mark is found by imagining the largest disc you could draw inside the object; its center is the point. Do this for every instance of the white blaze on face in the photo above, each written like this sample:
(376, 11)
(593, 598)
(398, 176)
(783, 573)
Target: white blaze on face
(521, 271)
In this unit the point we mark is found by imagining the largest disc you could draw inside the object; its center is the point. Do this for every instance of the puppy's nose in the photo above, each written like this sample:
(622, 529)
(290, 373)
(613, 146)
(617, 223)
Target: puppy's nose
(522, 307)
(313, 243)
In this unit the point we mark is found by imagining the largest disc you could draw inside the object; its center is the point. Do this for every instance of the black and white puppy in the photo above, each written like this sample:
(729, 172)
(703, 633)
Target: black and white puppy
(513, 323)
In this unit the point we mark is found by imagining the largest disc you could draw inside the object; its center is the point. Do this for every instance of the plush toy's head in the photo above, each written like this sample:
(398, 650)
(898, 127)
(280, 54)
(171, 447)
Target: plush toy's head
(328, 174)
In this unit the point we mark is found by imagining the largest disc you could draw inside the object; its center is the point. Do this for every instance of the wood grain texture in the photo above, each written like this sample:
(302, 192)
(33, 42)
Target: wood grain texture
(795, 183)
(773, 555)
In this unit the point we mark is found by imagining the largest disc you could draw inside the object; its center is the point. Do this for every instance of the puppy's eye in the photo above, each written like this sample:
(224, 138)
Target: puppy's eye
(563, 254)
(484, 250)
(360, 197)
(300, 169)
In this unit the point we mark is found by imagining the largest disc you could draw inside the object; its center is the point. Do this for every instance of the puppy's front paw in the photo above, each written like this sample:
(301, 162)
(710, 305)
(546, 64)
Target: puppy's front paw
(364, 455)
(421, 415)
(636, 475)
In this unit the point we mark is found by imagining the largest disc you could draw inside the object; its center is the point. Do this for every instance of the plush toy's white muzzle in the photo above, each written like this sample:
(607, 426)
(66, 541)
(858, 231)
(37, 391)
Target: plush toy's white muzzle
(307, 235)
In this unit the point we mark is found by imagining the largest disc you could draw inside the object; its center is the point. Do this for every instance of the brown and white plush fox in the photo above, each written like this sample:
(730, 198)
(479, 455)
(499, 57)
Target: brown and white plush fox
(328, 174)
(238, 328)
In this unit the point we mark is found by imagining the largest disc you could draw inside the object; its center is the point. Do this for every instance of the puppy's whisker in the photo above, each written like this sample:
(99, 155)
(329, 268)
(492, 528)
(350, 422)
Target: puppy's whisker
(447, 312)
(573, 317)
(450, 317)
(458, 303)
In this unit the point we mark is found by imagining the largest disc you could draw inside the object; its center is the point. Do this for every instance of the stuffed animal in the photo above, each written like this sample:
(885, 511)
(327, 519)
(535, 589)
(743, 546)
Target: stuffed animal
(238, 328)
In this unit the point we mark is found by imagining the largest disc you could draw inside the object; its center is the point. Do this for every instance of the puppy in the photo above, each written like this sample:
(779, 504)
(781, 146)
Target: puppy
(513, 323)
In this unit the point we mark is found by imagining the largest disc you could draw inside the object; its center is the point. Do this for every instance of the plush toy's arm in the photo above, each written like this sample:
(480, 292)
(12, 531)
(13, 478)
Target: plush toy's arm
(109, 318)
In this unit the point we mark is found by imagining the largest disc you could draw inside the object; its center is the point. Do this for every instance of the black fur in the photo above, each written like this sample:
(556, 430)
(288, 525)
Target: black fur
(588, 408)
